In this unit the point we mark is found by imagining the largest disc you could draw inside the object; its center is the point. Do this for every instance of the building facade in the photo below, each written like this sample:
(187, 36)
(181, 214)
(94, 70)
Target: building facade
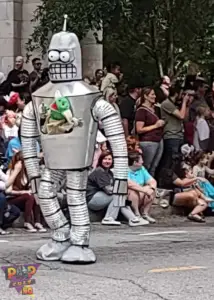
(16, 27)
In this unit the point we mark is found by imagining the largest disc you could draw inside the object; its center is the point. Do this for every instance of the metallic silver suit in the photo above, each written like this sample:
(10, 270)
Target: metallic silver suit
(69, 154)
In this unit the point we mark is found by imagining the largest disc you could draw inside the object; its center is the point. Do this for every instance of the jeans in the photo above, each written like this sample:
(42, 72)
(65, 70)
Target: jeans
(101, 200)
(2, 207)
(152, 153)
(11, 214)
(171, 149)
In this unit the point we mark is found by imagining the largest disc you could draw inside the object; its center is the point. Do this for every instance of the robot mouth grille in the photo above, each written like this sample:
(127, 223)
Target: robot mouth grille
(62, 71)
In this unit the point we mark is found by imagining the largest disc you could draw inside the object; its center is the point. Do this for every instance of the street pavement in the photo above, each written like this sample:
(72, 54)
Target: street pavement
(173, 260)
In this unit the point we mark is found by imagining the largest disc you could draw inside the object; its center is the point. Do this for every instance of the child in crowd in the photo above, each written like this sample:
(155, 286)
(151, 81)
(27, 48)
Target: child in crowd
(202, 130)
(10, 129)
(133, 144)
(200, 169)
(16, 104)
(13, 147)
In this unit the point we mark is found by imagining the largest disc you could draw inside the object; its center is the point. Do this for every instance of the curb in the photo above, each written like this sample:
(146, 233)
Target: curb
(157, 212)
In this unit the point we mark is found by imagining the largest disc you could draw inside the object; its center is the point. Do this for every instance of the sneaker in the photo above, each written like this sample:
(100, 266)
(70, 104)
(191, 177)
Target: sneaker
(3, 232)
(164, 203)
(110, 221)
(40, 228)
(138, 222)
(149, 219)
(29, 228)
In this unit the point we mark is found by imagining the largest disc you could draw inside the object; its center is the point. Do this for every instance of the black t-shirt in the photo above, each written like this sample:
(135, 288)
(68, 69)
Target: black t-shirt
(127, 110)
(33, 76)
(97, 181)
(17, 76)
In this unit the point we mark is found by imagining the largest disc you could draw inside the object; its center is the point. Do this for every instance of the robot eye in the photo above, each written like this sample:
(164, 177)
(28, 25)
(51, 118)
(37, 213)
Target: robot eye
(53, 55)
(64, 56)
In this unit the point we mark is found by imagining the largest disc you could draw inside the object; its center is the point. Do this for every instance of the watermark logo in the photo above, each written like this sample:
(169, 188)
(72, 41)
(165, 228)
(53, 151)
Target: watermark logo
(20, 277)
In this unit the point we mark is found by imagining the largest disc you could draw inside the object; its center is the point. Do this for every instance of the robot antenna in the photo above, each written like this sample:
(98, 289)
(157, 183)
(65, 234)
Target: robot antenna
(65, 23)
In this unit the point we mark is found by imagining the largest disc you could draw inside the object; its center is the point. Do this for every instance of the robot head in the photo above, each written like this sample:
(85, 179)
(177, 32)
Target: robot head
(64, 56)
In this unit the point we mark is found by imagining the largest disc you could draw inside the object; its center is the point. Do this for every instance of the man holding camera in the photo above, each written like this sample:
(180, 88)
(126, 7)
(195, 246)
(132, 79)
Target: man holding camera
(173, 114)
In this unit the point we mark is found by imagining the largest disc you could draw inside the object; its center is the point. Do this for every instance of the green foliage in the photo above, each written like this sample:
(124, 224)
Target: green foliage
(148, 36)
(83, 15)
(167, 37)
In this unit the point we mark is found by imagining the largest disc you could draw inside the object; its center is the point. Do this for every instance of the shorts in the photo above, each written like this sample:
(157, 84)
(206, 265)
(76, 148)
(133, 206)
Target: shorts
(186, 202)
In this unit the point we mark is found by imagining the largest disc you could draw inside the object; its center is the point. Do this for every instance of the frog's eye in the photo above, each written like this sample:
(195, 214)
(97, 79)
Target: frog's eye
(64, 56)
(53, 55)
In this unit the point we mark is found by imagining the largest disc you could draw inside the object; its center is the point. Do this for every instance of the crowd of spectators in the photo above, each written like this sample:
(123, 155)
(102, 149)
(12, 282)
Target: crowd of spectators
(15, 192)
(165, 126)
(169, 131)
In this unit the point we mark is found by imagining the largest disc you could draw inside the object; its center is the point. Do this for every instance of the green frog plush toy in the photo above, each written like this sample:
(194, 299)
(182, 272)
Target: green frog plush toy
(59, 107)
(60, 117)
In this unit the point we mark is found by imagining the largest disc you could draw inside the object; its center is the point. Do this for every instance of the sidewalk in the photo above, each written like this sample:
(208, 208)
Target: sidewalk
(158, 212)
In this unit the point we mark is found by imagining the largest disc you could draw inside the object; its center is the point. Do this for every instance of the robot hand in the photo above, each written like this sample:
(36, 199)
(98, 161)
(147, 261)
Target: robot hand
(77, 122)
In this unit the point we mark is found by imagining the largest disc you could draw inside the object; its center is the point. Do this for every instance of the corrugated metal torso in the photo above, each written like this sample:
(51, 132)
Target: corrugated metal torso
(73, 150)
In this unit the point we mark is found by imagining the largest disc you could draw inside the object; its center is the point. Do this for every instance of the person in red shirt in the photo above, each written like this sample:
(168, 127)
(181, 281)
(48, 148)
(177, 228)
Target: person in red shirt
(150, 130)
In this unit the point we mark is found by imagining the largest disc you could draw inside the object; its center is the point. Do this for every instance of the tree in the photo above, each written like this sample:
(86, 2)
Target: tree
(123, 42)
(171, 34)
(155, 37)
(83, 16)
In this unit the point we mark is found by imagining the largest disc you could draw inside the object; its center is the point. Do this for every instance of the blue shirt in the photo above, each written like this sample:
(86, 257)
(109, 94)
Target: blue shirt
(140, 176)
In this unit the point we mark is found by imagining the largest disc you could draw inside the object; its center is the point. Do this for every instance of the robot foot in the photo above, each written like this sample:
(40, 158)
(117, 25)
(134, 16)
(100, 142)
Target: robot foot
(52, 251)
(78, 255)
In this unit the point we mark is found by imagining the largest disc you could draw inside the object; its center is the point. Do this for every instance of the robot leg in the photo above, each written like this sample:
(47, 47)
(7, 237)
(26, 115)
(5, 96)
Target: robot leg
(53, 216)
(78, 252)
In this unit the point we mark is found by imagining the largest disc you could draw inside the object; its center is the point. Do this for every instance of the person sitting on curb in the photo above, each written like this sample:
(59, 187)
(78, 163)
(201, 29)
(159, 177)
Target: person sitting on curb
(185, 189)
(20, 194)
(99, 193)
(141, 188)
(5, 182)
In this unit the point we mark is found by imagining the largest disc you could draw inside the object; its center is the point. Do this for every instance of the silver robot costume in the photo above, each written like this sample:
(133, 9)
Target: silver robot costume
(64, 114)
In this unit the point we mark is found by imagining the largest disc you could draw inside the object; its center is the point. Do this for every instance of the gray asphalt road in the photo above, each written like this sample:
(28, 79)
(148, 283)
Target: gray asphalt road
(152, 263)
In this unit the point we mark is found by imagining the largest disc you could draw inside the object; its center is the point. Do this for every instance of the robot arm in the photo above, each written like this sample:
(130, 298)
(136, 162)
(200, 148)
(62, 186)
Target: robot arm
(105, 112)
(29, 137)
